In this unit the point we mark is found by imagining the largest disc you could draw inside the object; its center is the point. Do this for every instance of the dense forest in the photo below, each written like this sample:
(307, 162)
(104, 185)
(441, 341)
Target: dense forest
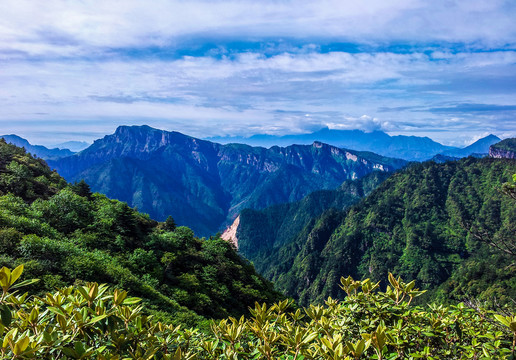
(63, 233)
(260, 230)
(430, 222)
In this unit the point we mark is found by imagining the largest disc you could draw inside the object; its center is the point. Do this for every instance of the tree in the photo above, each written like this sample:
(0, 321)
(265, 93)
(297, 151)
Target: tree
(170, 224)
(81, 188)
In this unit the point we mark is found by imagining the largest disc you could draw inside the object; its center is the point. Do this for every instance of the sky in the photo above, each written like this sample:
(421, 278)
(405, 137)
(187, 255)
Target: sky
(75, 70)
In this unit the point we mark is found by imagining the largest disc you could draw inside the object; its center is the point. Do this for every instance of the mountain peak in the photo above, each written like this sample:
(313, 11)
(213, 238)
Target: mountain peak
(38, 150)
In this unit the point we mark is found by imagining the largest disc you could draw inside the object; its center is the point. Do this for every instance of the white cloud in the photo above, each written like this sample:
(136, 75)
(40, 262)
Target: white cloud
(71, 61)
(76, 28)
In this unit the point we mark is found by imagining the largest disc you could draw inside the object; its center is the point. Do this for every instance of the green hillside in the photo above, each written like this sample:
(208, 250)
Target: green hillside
(261, 232)
(422, 223)
(63, 234)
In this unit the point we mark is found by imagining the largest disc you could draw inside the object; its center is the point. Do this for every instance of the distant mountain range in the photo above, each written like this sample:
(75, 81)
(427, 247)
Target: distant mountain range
(74, 146)
(205, 185)
(412, 148)
(38, 150)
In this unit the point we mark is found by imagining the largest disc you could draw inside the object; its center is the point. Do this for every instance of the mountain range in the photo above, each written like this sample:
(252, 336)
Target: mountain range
(38, 150)
(205, 185)
(412, 148)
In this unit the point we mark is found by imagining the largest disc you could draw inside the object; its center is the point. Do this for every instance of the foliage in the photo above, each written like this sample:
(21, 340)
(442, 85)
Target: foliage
(261, 232)
(66, 234)
(93, 321)
(421, 224)
(506, 145)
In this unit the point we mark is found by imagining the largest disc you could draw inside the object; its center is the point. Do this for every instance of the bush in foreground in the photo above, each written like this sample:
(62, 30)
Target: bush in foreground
(95, 322)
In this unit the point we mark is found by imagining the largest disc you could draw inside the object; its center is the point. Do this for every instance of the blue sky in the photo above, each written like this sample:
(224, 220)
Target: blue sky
(75, 70)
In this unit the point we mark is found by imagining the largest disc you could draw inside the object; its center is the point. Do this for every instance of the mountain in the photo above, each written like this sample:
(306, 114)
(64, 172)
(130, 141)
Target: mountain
(74, 146)
(424, 223)
(504, 149)
(411, 148)
(480, 146)
(205, 185)
(64, 234)
(38, 150)
(256, 231)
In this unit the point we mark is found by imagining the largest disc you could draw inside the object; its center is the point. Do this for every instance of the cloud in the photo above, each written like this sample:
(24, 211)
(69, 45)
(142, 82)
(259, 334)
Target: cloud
(238, 67)
(59, 28)
(364, 122)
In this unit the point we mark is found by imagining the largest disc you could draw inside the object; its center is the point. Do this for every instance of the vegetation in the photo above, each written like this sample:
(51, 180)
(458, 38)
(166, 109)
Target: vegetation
(262, 231)
(93, 321)
(422, 223)
(64, 233)
(506, 145)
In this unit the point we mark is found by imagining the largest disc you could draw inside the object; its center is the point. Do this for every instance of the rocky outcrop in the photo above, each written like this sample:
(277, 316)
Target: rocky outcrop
(499, 153)
(230, 233)
(504, 149)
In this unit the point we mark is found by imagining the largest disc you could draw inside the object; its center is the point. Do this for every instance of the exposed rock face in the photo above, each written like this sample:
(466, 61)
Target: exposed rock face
(499, 154)
(205, 185)
(230, 234)
(504, 149)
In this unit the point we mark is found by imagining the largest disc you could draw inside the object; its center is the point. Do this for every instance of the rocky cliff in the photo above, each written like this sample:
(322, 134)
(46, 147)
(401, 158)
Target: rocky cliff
(504, 149)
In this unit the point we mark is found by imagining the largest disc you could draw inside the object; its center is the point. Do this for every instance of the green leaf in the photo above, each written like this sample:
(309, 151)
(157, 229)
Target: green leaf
(25, 283)
(503, 320)
(97, 318)
(15, 274)
(131, 301)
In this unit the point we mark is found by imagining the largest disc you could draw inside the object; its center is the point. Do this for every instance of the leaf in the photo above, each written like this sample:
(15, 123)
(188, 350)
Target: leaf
(503, 320)
(57, 311)
(131, 301)
(21, 345)
(97, 318)
(177, 355)
(24, 283)
(15, 274)
(79, 348)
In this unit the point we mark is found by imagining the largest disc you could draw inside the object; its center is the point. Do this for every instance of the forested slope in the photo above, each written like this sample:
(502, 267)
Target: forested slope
(63, 234)
(422, 223)
(261, 232)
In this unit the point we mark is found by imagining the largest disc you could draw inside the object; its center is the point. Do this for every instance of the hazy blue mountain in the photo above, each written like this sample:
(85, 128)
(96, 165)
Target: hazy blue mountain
(412, 148)
(205, 185)
(480, 146)
(405, 147)
(38, 150)
(74, 146)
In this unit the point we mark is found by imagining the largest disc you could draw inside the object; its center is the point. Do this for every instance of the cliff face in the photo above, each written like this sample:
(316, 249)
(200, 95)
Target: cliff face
(499, 154)
(205, 185)
(504, 149)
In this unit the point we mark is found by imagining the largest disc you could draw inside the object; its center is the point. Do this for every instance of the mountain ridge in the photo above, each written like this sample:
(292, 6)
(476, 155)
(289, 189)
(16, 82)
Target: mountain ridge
(200, 182)
(38, 150)
(411, 148)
